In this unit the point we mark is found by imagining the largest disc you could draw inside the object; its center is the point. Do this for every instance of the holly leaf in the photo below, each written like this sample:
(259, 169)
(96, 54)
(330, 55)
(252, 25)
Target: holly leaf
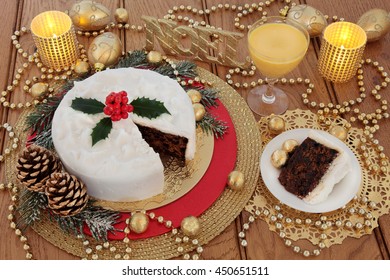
(148, 108)
(101, 130)
(88, 106)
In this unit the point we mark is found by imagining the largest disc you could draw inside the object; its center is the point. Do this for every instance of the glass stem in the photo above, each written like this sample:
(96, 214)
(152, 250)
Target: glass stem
(269, 96)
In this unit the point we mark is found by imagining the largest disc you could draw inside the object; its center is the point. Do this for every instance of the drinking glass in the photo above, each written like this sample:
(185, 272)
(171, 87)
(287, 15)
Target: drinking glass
(276, 45)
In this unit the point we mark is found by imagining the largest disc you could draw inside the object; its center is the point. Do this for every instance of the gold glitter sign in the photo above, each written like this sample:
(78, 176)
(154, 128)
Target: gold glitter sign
(170, 36)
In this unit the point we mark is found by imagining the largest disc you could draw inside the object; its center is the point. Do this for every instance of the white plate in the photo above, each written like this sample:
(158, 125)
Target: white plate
(342, 193)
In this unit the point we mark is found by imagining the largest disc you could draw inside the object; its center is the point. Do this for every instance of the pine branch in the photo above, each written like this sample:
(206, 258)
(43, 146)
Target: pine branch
(31, 206)
(133, 59)
(44, 140)
(186, 68)
(100, 221)
(209, 97)
(40, 119)
(211, 125)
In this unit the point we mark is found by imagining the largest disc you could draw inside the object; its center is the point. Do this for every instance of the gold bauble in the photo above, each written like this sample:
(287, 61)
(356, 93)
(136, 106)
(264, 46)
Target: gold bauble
(339, 131)
(199, 111)
(236, 180)
(106, 49)
(276, 125)
(312, 19)
(154, 57)
(376, 24)
(99, 66)
(139, 222)
(194, 95)
(39, 89)
(279, 158)
(190, 226)
(89, 15)
(289, 145)
(81, 67)
(121, 15)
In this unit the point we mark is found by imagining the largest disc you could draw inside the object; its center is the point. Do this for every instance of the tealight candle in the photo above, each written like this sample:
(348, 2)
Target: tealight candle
(342, 48)
(55, 39)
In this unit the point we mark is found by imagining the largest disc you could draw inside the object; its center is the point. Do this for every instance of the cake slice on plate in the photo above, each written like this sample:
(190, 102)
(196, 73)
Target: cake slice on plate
(314, 168)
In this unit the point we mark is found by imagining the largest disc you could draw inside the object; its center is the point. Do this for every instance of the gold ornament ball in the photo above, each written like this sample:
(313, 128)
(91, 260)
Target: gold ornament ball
(190, 226)
(376, 24)
(89, 15)
(194, 95)
(39, 89)
(121, 15)
(199, 111)
(279, 158)
(106, 49)
(99, 66)
(339, 131)
(154, 57)
(289, 145)
(276, 125)
(81, 67)
(236, 180)
(312, 19)
(139, 222)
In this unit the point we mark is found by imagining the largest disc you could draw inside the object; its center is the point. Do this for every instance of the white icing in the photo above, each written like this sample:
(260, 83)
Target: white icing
(339, 167)
(121, 167)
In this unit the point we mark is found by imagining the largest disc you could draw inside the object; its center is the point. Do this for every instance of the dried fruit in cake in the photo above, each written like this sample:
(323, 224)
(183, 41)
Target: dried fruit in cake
(314, 168)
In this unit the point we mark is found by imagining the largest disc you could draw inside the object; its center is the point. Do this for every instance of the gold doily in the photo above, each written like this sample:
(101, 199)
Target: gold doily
(214, 220)
(357, 218)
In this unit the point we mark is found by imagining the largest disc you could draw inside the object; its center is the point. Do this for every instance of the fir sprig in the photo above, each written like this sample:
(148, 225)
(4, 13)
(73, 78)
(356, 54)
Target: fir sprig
(209, 97)
(40, 119)
(100, 221)
(211, 125)
(31, 207)
(133, 59)
(43, 139)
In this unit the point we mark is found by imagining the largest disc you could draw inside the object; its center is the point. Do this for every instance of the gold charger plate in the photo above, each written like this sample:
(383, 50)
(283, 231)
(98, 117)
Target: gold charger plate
(214, 220)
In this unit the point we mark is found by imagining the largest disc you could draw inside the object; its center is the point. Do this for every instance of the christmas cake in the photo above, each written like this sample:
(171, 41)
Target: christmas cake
(126, 165)
(314, 168)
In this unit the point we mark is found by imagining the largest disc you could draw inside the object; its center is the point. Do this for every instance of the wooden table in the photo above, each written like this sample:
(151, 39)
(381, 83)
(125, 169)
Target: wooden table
(263, 244)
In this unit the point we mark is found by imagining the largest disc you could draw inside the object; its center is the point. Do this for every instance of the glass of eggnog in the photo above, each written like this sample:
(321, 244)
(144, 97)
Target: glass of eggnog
(276, 45)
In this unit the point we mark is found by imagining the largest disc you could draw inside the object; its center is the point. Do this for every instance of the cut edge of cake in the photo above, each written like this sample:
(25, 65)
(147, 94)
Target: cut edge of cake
(338, 169)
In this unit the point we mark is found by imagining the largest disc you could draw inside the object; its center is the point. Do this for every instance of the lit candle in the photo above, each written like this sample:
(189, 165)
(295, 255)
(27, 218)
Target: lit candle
(55, 39)
(342, 48)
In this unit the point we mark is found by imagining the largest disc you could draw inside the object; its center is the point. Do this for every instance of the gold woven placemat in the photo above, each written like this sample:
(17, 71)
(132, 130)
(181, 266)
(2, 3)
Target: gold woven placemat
(357, 218)
(214, 220)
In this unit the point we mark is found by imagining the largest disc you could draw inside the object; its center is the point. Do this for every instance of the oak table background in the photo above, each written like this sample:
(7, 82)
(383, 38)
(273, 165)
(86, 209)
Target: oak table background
(262, 243)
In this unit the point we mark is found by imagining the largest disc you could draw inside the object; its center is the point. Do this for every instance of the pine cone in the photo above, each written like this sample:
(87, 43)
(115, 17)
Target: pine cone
(35, 165)
(66, 195)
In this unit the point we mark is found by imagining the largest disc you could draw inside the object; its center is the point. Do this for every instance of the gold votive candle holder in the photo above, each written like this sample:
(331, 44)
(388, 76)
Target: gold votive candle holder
(342, 48)
(55, 39)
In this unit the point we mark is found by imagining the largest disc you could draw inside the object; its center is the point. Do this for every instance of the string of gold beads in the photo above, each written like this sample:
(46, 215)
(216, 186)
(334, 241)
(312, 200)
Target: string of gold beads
(361, 208)
(12, 138)
(11, 217)
(108, 27)
(241, 10)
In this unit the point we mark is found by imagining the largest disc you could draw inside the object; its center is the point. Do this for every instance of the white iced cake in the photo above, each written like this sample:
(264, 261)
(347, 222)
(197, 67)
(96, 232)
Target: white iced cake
(122, 167)
(314, 168)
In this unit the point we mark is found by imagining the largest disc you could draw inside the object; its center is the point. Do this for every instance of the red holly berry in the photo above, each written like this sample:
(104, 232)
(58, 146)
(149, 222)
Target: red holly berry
(108, 110)
(117, 107)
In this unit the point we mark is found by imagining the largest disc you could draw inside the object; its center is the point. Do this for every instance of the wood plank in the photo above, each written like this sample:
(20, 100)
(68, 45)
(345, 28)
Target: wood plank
(9, 15)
